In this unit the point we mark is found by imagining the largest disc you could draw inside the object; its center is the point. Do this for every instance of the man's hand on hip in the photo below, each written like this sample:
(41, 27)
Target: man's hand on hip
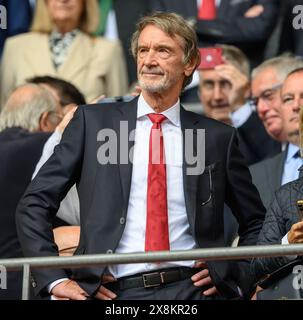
(103, 293)
(69, 290)
(202, 278)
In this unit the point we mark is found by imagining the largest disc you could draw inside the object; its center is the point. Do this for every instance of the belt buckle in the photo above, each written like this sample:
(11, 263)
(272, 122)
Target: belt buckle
(145, 279)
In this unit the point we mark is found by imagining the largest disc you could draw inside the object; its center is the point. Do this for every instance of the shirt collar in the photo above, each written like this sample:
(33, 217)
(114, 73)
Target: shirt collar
(292, 150)
(172, 114)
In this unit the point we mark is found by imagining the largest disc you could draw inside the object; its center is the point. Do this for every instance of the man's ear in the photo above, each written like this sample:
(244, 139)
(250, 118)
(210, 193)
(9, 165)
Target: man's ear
(190, 67)
(45, 123)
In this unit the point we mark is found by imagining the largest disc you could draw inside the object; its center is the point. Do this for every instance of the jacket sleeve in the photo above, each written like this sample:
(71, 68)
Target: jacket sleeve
(38, 207)
(239, 29)
(273, 230)
(243, 199)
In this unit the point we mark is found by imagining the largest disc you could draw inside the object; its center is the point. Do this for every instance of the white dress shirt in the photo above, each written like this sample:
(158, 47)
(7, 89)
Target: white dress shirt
(133, 238)
(291, 165)
(241, 115)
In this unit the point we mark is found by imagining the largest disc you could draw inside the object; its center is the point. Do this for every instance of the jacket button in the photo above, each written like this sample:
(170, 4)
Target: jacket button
(109, 251)
(122, 220)
(34, 284)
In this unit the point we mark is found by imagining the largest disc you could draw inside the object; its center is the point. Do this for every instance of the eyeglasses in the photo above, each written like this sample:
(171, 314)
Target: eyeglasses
(266, 96)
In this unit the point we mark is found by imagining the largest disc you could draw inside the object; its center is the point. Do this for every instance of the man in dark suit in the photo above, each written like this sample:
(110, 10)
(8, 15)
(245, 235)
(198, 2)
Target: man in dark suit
(245, 24)
(123, 201)
(24, 124)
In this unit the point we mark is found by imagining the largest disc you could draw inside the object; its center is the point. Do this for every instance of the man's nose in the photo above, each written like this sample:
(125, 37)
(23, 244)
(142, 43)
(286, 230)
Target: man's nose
(217, 93)
(150, 58)
(262, 108)
(298, 101)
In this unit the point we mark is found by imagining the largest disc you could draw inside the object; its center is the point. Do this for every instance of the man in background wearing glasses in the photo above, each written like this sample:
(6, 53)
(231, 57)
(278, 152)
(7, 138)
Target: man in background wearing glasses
(267, 81)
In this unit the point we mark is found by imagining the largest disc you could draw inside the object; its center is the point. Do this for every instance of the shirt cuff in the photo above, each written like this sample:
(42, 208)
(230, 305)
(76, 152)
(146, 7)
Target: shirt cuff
(285, 241)
(240, 116)
(51, 286)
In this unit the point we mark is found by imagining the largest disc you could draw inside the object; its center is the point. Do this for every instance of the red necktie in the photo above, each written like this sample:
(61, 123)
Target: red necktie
(157, 234)
(207, 10)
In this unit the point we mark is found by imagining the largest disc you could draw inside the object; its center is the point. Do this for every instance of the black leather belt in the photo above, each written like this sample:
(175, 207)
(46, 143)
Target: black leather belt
(155, 279)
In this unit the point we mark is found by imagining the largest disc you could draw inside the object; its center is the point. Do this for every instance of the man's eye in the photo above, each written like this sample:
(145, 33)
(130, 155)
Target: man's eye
(286, 99)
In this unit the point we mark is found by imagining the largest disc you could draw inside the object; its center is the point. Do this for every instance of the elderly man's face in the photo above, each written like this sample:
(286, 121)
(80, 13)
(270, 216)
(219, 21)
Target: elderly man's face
(292, 99)
(160, 64)
(266, 89)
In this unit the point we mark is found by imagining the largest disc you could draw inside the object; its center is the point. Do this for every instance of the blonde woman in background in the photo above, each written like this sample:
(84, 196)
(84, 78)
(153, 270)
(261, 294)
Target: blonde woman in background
(61, 44)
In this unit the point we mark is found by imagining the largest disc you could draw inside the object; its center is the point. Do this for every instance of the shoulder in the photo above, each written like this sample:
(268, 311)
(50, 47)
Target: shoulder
(25, 38)
(290, 190)
(267, 163)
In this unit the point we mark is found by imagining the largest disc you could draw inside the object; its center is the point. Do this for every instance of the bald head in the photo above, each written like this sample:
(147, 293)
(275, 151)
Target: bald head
(27, 106)
(21, 96)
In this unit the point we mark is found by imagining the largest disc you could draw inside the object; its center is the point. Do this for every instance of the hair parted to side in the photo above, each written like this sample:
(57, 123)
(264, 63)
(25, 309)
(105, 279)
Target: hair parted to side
(174, 25)
(89, 22)
(27, 113)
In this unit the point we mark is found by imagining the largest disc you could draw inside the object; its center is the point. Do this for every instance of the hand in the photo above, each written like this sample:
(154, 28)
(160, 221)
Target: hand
(103, 293)
(239, 81)
(254, 11)
(97, 99)
(295, 235)
(65, 121)
(69, 290)
(202, 278)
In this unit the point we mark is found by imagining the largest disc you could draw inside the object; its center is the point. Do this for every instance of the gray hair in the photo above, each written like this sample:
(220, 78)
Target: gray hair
(26, 113)
(172, 24)
(283, 65)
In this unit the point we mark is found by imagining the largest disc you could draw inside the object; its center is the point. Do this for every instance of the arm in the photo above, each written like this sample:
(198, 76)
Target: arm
(42, 198)
(239, 29)
(244, 200)
(48, 150)
(272, 232)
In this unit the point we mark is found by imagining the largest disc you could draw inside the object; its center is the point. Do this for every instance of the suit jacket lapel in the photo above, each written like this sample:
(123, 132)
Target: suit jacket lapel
(190, 182)
(40, 60)
(126, 116)
(275, 170)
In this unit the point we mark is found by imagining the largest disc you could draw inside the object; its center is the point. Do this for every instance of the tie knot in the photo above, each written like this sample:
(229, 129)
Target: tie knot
(156, 118)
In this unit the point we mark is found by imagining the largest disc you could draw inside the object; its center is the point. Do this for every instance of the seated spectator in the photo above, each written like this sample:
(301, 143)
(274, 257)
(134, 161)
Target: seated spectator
(282, 224)
(61, 44)
(270, 174)
(224, 92)
(27, 118)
